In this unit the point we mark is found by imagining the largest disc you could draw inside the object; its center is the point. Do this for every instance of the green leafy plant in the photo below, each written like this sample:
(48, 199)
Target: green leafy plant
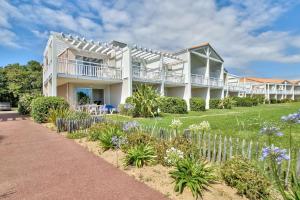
(294, 192)
(214, 103)
(96, 130)
(138, 138)
(24, 104)
(174, 105)
(246, 178)
(40, 107)
(145, 101)
(196, 176)
(76, 135)
(55, 113)
(140, 155)
(197, 104)
(106, 137)
(226, 103)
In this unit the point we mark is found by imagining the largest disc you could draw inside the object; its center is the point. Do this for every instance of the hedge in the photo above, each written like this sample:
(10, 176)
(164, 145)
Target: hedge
(197, 104)
(174, 105)
(214, 103)
(245, 101)
(24, 104)
(41, 105)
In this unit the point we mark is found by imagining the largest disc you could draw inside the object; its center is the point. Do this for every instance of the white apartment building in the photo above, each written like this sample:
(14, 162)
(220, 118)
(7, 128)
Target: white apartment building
(108, 73)
(270, 88)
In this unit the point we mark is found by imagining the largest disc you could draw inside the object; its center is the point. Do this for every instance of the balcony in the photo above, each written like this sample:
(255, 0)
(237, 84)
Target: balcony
(78, 68)
(200, 80)
(174, 78)
(297, 92)
(146, 75)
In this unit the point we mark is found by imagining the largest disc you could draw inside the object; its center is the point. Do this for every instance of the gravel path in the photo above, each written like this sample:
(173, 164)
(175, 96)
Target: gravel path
(36, 163)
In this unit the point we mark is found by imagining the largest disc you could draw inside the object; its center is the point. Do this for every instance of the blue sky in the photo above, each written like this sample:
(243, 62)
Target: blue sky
(254, 37)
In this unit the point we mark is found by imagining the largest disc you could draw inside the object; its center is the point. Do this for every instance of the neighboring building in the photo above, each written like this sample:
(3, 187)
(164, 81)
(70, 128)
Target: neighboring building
(271, 88)
(108, 73)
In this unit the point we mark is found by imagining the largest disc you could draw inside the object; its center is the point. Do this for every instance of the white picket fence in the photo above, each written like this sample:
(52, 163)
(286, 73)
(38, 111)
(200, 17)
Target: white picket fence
(217, 149)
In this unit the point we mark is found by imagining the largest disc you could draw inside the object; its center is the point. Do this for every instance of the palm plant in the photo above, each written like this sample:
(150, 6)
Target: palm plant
(197, 176)
(145, 101)
(140, 155)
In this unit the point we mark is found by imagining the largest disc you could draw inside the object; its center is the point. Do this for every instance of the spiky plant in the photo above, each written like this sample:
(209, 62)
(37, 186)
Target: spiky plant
(195, 175)
(140, 155)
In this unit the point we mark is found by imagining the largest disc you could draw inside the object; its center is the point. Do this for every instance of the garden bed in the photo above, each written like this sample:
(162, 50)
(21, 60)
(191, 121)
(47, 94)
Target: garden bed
(157, 177)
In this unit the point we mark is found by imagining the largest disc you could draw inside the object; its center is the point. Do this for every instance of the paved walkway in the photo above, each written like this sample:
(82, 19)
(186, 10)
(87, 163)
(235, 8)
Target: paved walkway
(36, 163)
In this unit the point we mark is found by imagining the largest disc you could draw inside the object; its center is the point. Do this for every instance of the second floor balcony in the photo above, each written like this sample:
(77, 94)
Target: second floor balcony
(197, 79)
(145, 75)
(84, 69)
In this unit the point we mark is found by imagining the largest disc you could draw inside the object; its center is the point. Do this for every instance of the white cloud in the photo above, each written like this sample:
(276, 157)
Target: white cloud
(8, 38)
(234, 30)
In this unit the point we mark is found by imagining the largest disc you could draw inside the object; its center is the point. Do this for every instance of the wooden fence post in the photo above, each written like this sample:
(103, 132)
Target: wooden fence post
(249, 150)
(220, 150)
(208, 149)
(214, 152)
(298, 164)
(230, 148)
(286, 181)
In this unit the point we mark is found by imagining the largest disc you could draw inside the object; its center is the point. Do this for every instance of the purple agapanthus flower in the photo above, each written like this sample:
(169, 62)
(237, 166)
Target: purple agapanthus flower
(117, 141)
(127, 126)
(291, 118)
(274, 153)
(270, 130)
(128, 106)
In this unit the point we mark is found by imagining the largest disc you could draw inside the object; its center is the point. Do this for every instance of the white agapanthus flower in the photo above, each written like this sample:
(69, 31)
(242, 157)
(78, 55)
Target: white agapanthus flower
(175, 124)
(173, 155)
(204, 126)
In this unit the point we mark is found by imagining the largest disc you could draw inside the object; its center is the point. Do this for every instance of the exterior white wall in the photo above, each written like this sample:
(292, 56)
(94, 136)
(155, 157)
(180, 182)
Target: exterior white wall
(115, 94)
(175, 92)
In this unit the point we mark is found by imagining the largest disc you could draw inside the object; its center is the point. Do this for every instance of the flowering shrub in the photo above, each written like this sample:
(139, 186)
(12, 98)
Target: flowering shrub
(274, 153)
(270, 130)
(291, 118)
(173, 155)
(175, 124)
(204, 126)
(117, 141)
(130, 126)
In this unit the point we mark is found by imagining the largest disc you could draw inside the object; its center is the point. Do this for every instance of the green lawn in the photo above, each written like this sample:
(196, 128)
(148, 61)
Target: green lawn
(238, 122)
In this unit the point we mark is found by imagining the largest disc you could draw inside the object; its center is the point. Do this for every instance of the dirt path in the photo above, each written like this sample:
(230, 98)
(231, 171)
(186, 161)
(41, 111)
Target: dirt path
(39, 164)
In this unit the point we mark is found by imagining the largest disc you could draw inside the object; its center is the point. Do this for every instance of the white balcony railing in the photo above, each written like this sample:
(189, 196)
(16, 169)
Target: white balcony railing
(200, 80)
(174, 78)
(146, 75)
(297, 92)
(88, 69)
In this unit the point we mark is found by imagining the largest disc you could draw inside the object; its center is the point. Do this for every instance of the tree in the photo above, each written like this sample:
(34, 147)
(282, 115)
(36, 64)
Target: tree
(16, 80)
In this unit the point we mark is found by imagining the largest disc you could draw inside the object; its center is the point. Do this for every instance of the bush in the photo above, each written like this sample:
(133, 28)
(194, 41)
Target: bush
(138, 138)
(24, 104)
(214, 103)
(96, 130)
(244, 101)
(40, 107)
(106, 137)
(246, 178)
(174, 105)
(273, 101)
(197, 104)
(197, 176)
(259, 98)
(140, 155)
(226, 103)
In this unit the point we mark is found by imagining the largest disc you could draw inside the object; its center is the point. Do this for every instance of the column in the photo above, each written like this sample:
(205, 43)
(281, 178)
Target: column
(207, 77)
(188, 85)
(126, 74)
(163, 74)
(54, 69)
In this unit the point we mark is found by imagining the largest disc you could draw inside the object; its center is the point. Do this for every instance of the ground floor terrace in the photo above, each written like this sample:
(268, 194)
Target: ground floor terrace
(114, 92)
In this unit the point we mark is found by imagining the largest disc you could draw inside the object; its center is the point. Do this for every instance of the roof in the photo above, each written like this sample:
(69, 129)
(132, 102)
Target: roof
(264, 80)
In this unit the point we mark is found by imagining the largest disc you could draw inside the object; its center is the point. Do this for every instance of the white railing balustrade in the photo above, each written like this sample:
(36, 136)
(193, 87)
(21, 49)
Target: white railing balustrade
(297, 92)
(174, 78)
(199, 79)
(142, 74)
(88, 69)
(216, 82)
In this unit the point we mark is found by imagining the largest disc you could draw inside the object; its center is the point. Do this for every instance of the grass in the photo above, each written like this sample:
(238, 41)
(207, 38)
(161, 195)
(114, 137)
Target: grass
(241, 122)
